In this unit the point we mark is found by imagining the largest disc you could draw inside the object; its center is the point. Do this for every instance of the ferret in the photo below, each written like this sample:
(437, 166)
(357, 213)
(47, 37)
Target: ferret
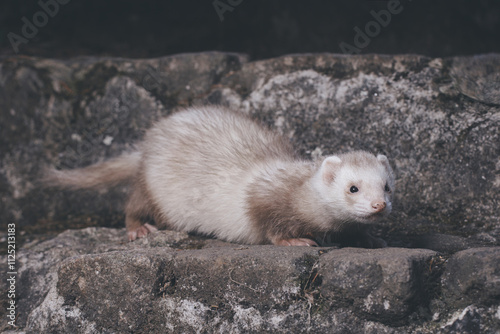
(217, 172)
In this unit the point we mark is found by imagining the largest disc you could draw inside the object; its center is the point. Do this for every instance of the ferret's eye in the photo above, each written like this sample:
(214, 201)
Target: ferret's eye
(354, 189)
(386, 188)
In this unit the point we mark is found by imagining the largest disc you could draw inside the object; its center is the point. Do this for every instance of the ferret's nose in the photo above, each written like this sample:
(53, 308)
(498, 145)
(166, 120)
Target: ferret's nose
(378, 206)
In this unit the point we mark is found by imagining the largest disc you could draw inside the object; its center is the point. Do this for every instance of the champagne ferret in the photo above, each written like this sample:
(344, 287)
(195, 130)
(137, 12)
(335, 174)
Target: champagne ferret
(217, 172)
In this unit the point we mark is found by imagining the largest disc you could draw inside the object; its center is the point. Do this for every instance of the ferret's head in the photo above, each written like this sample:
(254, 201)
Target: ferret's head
(356, 186)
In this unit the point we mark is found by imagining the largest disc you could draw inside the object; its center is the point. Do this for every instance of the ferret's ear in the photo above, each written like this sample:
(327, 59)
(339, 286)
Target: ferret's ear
(384, 161)
(329, 168)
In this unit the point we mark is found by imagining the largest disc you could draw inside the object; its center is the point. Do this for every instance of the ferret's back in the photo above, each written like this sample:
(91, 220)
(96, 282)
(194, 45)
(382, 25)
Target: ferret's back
(217, 137)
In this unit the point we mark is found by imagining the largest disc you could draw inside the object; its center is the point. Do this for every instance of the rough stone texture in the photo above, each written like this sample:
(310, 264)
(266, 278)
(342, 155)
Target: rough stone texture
(398, 275)
(93, 281)
(477, 77)
(38, 261)
(437, 119)
(473, 277)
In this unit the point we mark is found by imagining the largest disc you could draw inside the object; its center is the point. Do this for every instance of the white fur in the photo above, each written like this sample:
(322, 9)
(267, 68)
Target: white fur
(200, 166)
(370, 179)
(204, 193)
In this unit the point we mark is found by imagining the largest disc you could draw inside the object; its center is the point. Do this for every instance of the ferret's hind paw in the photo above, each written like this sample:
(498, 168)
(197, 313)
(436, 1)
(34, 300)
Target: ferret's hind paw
(141, 231)
(296, 242)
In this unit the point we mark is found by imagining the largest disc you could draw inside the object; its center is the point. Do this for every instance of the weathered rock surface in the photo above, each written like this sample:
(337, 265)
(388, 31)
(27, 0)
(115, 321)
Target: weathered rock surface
(385, 284)
(477, 77)
(93, 281)
(473, 277)
(437, 119)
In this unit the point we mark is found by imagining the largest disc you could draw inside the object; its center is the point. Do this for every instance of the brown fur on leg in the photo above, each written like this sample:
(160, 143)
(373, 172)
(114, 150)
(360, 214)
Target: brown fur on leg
(138, 208)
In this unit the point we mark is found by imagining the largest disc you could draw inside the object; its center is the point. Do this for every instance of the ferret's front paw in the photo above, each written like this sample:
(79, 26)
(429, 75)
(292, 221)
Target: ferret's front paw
(295, 242)
(141, 231)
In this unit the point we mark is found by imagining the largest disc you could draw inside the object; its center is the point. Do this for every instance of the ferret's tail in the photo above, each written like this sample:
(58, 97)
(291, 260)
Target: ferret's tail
(104, 174)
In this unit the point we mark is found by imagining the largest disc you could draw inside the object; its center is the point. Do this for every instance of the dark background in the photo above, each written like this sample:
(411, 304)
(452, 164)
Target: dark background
(260, 28)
